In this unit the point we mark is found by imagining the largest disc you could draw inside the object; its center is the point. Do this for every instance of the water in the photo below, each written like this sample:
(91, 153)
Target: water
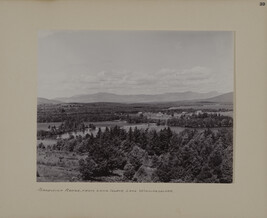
(102, 126)
(126, 127)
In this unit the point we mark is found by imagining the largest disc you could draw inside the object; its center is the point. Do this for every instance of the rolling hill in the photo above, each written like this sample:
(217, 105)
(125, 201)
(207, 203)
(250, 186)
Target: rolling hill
(109, 97)
(226, 98)
(47, 101)
(128, 99)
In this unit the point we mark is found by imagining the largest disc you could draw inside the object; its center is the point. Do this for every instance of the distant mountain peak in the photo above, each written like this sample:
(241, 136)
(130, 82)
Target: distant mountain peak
(47, 101)
(226, 97)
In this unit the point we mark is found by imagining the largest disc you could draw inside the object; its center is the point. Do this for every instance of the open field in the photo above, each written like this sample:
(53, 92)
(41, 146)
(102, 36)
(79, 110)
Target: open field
(57, 166)
(44, 126)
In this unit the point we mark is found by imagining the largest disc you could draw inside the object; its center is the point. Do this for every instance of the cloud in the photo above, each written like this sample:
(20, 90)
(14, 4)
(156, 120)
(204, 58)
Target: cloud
(77, 62)
(132, 82)
(124, 81)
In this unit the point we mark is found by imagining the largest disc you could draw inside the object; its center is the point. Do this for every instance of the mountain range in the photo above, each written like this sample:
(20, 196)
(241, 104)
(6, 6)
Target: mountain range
(166, 97)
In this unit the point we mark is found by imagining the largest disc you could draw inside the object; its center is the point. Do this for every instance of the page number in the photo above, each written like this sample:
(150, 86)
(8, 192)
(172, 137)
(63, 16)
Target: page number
(262, 3)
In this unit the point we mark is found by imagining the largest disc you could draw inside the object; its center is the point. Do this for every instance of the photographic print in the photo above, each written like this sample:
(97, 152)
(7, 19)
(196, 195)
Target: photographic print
(135, 106)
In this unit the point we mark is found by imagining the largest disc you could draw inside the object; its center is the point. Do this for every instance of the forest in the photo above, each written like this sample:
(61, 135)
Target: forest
(97, 112)
(142, 155)
(146, 142)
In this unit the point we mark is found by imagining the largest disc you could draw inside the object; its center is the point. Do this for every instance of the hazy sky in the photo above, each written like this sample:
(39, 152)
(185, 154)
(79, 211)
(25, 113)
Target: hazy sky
(134, 62)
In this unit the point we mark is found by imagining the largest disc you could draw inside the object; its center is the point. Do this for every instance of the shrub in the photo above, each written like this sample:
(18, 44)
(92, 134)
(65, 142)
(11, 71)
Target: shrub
(137, 157)
(129, 171)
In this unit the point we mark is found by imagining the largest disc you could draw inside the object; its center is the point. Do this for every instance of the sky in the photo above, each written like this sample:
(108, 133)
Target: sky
(134, 62)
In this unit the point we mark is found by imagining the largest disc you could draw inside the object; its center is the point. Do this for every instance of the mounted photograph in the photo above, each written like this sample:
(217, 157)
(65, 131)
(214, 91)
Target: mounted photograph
(135, 106)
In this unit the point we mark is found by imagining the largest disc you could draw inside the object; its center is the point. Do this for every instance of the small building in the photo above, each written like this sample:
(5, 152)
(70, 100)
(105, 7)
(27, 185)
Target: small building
(198, 112)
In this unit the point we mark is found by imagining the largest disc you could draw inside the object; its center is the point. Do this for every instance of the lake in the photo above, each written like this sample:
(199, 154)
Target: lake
(126, 126)
(102, 126)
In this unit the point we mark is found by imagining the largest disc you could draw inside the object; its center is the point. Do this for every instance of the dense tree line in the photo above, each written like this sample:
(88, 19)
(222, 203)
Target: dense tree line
(199, 107)
(150, 156)
(91, 112)
(137, 119)
(202, 120)
(70, 125)
(97, 112)
(86, 117)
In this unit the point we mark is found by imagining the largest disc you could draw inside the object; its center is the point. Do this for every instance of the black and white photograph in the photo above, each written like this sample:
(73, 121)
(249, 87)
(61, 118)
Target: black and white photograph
(135, 106)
